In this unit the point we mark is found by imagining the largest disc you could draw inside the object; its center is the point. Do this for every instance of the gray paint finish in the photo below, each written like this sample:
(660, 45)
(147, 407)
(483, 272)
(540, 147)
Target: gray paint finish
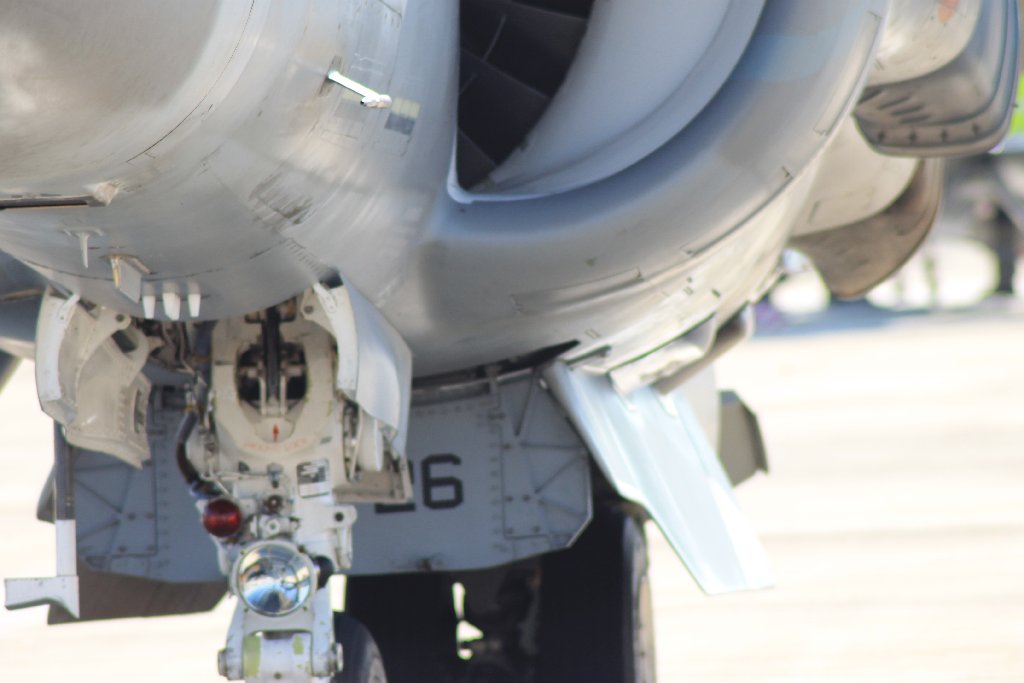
(140, 522)
(653, 450)
(275, 179)
(499, 476)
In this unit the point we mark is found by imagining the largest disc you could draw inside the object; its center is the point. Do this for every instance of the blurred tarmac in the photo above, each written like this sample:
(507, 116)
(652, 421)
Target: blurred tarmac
(894, 515)
(894, 512)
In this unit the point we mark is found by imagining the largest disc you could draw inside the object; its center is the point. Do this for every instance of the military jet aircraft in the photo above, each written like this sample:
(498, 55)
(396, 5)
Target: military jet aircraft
(426, 294)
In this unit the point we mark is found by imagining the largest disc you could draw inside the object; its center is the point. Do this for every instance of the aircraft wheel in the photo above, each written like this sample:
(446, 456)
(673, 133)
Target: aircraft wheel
(596, 616)
(361, 660)
(412, 618)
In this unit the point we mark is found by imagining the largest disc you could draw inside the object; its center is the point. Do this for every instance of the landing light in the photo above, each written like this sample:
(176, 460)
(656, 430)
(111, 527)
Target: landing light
(273, 578)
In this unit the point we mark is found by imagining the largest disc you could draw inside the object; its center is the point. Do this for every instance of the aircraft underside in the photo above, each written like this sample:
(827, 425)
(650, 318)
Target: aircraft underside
(427, 295)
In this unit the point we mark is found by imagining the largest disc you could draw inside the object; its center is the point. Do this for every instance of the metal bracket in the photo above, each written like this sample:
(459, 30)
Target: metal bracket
(35, 592)
(61, 590)
(275, 649)
(371, 98)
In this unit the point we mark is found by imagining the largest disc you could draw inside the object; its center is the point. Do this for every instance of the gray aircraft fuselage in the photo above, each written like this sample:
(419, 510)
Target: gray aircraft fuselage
(202, 144)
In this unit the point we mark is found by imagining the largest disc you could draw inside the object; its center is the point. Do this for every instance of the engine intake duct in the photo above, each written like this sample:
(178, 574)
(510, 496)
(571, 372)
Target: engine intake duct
(560, 94)
(514, 56)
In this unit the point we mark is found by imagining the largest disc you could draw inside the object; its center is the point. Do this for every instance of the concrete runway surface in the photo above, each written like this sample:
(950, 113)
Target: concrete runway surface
(894, 515)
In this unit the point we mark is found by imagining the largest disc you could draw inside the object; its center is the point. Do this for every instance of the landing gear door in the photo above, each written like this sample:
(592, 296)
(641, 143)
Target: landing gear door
(374, 362)
(653, 449)
(89, 376)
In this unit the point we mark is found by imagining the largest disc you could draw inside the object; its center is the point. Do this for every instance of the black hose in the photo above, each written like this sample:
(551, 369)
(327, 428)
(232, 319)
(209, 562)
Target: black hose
(201, 351)
(198, 487)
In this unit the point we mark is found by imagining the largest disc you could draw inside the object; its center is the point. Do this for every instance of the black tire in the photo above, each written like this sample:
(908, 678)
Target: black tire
(595, 606)
(361, 660)
(412, 617)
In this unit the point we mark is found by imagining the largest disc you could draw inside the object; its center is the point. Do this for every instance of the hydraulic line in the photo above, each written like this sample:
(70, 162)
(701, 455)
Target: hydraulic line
(201, 351)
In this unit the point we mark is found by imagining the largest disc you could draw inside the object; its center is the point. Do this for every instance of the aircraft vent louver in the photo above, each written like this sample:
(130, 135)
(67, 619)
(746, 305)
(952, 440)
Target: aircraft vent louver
(515, 55)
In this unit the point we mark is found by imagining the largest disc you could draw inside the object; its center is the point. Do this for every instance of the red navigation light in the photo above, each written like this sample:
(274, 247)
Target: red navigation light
(222, 518)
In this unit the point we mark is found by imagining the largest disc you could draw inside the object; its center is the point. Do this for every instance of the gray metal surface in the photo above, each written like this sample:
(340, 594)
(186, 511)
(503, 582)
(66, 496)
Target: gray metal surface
(740, 443)
(115, 596)
(498, 476)
(141, 522)
(854, 258)
(649, 68)
(921, 38)
(653, 450)
(18, 316)
(622, 253)
(8, 365)
(963, 108)
(287, 178)
(235, 124)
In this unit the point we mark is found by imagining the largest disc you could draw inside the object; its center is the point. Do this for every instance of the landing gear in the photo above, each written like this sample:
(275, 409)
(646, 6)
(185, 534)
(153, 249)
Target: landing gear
(412, 617)
(284, 439)
(287, 426)
(582, 614)
(361, 660)
(595, 605)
